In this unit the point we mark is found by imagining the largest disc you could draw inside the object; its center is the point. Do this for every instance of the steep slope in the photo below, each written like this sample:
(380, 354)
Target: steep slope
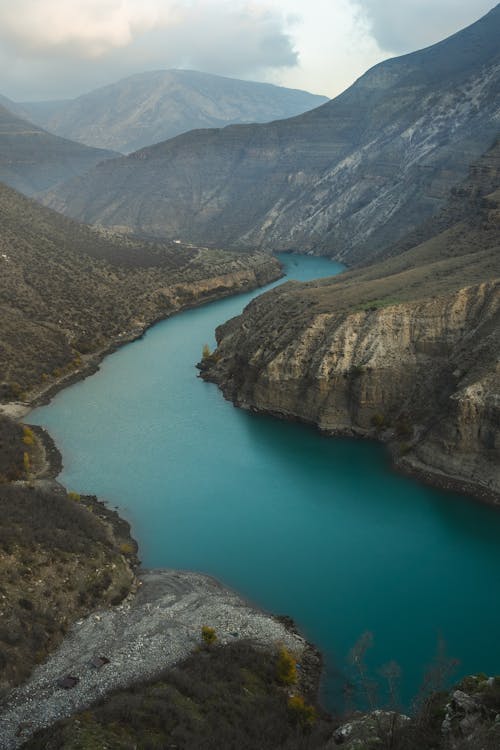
(68, 292)
(151, 107)
(346, 179)
(32, 159)
(405, 350)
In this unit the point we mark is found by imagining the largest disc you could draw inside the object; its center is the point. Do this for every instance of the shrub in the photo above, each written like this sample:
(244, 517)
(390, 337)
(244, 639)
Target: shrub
(302, 712)
(208, 635)
(286, 667)
(27, 463)
(127, 548)
(28, 436)
(206, 353)
(378, 421)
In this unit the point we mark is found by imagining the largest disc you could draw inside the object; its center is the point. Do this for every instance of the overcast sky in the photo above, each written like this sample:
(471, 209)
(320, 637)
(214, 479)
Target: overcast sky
(53, 49)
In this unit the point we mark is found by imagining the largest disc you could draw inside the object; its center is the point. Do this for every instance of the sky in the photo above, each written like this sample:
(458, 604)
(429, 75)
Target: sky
(54, 49)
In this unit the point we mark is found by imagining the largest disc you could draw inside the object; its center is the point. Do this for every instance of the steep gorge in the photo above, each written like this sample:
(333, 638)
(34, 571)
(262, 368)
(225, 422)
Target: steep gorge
(405, 350)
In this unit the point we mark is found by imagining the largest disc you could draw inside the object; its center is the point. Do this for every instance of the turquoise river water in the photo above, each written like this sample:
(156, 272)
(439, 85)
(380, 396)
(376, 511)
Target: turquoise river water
(320, 529)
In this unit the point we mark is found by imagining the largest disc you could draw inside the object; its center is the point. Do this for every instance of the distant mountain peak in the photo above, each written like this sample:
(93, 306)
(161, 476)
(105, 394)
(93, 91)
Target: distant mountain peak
(149, 107)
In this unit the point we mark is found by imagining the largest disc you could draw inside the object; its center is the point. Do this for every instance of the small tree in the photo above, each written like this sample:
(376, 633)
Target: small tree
(208, 635)
(286, 667)
(303, 713)
(28, 436)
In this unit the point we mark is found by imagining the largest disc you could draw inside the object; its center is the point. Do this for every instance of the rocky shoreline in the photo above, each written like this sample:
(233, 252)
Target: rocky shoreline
(151, 630)
(398, 374)
(163, 601)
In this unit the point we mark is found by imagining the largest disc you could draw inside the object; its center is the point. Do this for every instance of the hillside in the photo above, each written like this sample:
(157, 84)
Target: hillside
(61, 555)
(32, 159)
(405, 350)
(151, 107)
(68, 292)
(346, 179)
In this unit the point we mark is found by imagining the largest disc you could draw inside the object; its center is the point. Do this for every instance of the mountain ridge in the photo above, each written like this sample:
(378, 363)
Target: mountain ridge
(345, 179)
(69, 293)
(149, 107)
(31, 159)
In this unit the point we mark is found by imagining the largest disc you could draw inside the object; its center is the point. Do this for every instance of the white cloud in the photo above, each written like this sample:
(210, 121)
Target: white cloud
(61, 48)
(401, 26)
(334, 44)
(79, 28)
(54, 48)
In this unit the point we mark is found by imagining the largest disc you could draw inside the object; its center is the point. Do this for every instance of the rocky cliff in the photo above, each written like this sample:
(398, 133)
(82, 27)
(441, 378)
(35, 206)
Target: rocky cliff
(347, 179)
(422, 375)
(405, 350)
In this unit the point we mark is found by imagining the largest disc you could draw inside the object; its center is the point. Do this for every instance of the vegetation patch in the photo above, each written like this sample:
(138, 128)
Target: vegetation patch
(58, 561)
(224, 697)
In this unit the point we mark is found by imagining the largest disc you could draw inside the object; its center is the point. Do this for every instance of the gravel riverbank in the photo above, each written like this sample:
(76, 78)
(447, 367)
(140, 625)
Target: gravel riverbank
(156, 628)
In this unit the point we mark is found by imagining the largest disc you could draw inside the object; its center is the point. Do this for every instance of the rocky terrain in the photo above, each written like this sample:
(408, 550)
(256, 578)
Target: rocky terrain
(157, 628)
(151, 107)
(32, 159)
(346, 179)
(69, 293)
(405, 350)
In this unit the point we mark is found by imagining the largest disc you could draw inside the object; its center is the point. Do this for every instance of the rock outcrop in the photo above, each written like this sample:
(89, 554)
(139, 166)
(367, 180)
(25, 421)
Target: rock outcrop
(405, 350)
(422, 375)
(346, 179)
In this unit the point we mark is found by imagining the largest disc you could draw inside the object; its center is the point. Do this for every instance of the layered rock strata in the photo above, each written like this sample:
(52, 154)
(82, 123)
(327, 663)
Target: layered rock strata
(422, 375)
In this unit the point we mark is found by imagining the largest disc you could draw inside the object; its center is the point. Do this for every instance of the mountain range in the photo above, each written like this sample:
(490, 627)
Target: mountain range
(345, 179)
(150, 107)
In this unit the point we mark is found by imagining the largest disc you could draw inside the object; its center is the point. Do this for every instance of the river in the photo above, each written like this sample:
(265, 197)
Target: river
(320, 529)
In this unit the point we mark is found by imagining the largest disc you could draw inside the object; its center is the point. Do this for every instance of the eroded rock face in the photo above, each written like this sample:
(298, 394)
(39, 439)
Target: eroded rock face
(422, 375)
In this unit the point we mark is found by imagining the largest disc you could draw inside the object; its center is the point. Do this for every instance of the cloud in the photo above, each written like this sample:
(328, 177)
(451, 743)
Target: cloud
(54, 48)
(401, 26)
(79, 28)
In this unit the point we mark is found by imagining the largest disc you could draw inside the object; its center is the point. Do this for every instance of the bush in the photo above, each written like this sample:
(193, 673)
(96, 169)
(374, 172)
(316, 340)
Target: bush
(286, 667)
(302, 712)
(378, 421)
(28, 436)
(208, 635)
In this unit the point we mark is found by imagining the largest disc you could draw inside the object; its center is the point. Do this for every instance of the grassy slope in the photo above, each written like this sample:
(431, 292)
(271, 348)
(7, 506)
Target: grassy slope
(68, 290)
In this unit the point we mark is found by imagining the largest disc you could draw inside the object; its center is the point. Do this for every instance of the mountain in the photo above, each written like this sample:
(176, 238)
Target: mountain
(68, 293)
(405, 350)
(151, 107)
(345, 179)
(32, 159)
